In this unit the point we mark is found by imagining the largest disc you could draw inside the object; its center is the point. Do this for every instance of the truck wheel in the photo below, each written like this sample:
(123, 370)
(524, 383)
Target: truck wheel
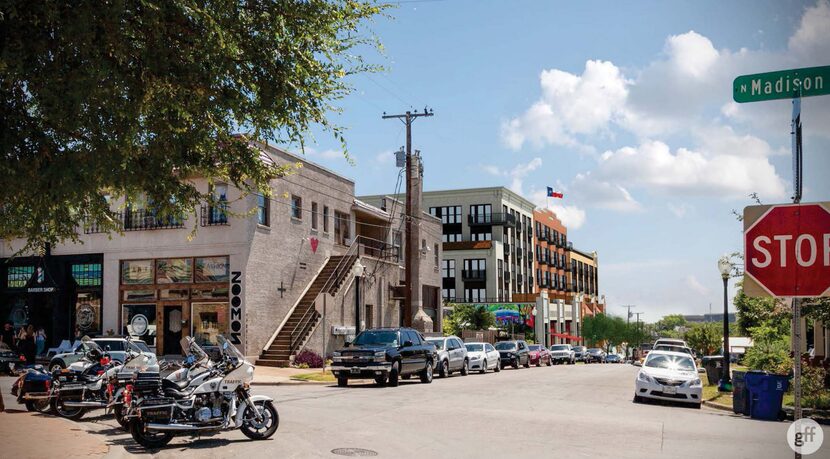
(426, 373)
(393, 374)
(342, 382)
(516, 364)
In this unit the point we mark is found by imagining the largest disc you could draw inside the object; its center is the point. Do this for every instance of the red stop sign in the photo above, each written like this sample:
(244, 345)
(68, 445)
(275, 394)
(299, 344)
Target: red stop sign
(787, 250)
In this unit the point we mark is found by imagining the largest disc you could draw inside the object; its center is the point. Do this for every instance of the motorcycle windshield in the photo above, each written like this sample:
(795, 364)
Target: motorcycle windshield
(137, 363)
(229, 349)
(89, 345)
(189, 347)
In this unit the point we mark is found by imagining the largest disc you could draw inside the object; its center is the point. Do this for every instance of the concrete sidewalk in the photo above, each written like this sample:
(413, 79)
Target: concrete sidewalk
(35, 435)
(273, 376)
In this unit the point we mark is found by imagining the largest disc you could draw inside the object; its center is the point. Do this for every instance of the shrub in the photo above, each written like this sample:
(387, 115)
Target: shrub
(770, 355)
(812, 387)
(308, 358)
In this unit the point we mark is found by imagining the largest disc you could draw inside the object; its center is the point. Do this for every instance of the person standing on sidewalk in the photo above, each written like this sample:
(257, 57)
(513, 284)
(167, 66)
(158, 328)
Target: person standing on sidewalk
(8, 335)
(27, 344)
(40, 341)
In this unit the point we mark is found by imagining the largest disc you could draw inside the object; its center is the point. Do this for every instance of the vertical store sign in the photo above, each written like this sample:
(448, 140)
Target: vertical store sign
(236, 307)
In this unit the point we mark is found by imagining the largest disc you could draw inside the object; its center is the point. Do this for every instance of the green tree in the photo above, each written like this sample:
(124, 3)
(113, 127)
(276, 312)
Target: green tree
(668, 325)
(704, 338)
(756, 312)
(136, 97)
(465, 316)
(595, 328)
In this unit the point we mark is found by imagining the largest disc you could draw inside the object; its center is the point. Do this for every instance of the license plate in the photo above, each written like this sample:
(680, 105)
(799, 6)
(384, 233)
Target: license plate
(61, 378)
(669, 390)
(355, 370)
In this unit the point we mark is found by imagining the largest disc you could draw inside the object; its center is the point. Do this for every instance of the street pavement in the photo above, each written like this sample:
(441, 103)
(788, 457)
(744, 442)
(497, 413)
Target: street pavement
(560, 411)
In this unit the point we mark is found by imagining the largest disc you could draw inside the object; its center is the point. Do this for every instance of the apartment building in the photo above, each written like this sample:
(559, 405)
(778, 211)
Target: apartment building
(262, 271)
(585, 281)
(552, 265)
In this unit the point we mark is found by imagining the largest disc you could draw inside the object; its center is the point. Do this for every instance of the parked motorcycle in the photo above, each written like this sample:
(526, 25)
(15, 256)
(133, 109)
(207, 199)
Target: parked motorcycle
(83, 385)
(33, 388)
(221, 402)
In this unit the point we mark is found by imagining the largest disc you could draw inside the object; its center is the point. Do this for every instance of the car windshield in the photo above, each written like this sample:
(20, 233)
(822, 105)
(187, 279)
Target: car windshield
(141, 346)
(474, 347)
(559, 347)
(111, 344)
(535, 347)
(670, 362)
(579, 348)
(594, 350)
(377, 338)
(506, 346)
(664, 347)
(439, 343)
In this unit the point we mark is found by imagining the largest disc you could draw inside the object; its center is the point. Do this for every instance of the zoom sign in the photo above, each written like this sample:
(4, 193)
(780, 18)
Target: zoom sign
(236, 307)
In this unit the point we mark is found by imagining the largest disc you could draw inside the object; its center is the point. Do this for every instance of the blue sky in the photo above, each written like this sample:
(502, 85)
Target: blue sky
(625, 107)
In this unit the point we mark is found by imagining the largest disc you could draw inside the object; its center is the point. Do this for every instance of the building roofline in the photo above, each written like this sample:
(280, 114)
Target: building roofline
(298, 158)
(584, 254)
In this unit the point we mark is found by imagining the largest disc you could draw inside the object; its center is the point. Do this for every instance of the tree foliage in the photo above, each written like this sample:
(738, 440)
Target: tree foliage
(668, 326)
(468, 316)
(121, 98)
(608, 331)
(756, 312)
(704, 338)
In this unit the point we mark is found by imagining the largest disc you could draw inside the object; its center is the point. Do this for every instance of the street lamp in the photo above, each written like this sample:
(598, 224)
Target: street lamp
(725, 268)
(359, 271)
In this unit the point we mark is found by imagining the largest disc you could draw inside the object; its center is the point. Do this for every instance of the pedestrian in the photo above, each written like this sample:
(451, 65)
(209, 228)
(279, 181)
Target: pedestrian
(27, 344)
(40, 340)
(8, 335)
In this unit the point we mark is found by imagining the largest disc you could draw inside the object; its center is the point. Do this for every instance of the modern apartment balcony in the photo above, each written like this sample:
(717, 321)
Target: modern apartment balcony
(474, 275)
(519, 253)
(506, 247)
(498, 219)
(468, 245)
(543, 260)
(543, 283)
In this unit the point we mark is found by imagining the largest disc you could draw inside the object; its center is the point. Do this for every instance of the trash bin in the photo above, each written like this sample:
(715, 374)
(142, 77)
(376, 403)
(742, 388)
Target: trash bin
(740, 394)
(712, 364)
(766, 394)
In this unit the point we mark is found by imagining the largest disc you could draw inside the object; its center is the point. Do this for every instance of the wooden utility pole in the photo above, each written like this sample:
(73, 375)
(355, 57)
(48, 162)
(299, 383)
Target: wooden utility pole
(411, 256)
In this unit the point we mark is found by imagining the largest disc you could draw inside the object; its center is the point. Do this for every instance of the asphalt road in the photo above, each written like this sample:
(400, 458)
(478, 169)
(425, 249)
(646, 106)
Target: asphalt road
(560, 411)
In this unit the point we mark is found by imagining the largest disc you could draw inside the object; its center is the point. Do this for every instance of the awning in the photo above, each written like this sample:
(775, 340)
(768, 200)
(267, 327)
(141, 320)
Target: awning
(566, 336)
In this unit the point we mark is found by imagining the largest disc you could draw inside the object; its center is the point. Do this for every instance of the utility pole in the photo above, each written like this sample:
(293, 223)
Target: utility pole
(639, 327)
(627, 324)
(412, 290)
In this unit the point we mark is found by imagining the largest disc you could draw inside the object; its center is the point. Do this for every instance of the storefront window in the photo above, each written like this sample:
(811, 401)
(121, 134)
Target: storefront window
(210, 293)
(209, 321)
(139, 321)
(88, 313)
(18, 276)
(212, 269)
(174, 271)
(87, 275)
(173, 294)
(137, 272)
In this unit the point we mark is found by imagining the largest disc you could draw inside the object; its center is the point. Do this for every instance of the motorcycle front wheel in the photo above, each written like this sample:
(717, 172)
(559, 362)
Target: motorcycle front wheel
(68, 413)
(256, 430)
(148, 439)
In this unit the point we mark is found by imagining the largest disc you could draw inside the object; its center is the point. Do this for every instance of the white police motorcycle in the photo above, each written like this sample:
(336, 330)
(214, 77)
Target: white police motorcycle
(222, 402)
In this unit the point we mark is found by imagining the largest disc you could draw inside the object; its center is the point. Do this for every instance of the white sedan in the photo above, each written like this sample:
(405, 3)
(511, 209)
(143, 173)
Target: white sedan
(670, 376)
(483, 357)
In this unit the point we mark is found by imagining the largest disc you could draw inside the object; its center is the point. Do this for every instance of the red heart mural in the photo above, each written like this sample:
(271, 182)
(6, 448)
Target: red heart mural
(314, 242)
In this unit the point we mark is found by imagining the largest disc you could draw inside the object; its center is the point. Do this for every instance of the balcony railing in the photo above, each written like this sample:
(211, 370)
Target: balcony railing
(147, 219)
(518, 253)
(543, 260)
(491, 219)
(519, 228)
(506, 247)
(474, 275)
(215, 215)
(543, 283)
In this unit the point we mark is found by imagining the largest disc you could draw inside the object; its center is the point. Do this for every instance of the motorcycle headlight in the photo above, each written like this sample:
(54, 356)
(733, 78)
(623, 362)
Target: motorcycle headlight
(642, 376)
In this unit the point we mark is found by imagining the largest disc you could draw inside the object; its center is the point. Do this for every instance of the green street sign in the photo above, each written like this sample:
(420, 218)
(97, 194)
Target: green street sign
(784, 84)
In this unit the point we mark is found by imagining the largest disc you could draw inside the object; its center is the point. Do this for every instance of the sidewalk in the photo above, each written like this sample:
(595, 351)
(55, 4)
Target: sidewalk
(34, 435)
(273, 376)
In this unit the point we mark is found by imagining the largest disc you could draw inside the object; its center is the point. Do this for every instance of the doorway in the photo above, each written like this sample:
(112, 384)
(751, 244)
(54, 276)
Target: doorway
(172, 329)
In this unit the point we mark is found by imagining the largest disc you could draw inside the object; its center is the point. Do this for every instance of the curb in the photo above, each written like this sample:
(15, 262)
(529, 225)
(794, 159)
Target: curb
(717, 406)
(290, 382)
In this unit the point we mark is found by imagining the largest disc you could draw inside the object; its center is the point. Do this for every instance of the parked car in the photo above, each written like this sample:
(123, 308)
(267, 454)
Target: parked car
(671, 376)
(613, 358)
(672, 348)
(595, 355)
(9, 360)
(115, 347)
(452, 355)
(539, 355)
(670, 342)
(563, 353)
(483, 357)
(385, 354)
(513, 353)
(580, 353)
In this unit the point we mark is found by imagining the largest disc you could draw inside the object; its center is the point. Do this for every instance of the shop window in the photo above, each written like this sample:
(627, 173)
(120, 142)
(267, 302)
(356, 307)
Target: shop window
(174, 294)
(137, 272)
(19, 276)
(139, 295)
(210, 293)
(212, 269)
(87, 275)
(209, 321)
(88, 313)
(174, 270)
(139, 321)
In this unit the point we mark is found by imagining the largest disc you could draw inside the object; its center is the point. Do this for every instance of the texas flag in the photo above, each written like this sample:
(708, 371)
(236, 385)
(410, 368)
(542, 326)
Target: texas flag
(554, 194)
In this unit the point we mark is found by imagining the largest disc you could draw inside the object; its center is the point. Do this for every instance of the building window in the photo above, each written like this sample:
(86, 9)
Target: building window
(451, 237)
(475, 295)
(436, 254)
(342, 222)
(87, 275)
(448, 294)
(325, 219)
(209, 321)
(448, 269)
(218, 209)
(484, 236)
(174, 271)
(18, 276)
(314, 215)
(263, 205)
(296, 207)
(137, 272)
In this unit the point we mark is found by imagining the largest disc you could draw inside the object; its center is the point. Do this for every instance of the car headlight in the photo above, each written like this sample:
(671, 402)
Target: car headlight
(642, 376)
(379, 356)
(694, 382)
(475, 357)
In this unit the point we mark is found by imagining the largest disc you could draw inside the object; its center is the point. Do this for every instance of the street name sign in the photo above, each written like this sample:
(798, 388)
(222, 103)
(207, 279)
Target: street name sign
(784, 84)
(787, 250)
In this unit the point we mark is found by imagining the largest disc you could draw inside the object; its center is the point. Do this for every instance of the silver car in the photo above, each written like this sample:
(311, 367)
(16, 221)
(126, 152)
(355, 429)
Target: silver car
(452, 355)
(562, 353)
(115, 347)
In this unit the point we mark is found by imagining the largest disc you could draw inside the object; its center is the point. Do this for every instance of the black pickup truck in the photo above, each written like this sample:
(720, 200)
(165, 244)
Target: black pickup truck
(385, 355)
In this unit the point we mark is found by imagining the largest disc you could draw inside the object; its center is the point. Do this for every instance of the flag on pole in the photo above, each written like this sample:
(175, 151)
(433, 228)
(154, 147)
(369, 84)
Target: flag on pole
(554, 194)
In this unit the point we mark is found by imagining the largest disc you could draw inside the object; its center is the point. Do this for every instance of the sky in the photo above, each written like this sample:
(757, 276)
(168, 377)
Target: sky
(625, 107)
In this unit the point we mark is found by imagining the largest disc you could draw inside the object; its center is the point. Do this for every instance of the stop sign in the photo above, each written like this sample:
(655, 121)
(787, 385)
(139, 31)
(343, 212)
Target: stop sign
(787, 250)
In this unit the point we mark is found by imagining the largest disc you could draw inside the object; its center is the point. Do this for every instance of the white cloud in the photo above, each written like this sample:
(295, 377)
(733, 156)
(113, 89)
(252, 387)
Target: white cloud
(384, 158)
(589, 191)
(691, 54)
(679, 210)
(653, 165)
(811, 40)
(517, 174)
(572, 216)
(326, 155)
(695, 285)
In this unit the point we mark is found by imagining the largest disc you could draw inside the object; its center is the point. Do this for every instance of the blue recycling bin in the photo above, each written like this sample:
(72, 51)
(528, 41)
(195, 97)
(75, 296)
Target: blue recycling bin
(766, 394)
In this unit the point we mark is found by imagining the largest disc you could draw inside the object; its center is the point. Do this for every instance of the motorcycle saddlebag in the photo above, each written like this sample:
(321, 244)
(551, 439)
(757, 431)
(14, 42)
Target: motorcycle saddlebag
(36, 382)
(147, 382)
(157, 410)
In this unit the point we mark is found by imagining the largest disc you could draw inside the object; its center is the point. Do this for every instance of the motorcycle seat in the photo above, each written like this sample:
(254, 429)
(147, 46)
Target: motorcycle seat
(175, 385)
